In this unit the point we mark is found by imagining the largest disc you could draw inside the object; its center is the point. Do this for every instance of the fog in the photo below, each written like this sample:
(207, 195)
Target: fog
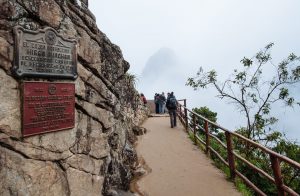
(166, 42)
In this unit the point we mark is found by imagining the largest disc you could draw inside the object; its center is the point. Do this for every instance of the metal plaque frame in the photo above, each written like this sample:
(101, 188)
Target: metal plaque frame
(47, 107)
(44, 53)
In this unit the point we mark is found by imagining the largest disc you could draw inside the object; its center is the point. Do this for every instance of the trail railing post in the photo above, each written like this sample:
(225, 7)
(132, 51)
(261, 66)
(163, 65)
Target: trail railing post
(207, 137)
(277, 174)
(194, 129)
(179, 112)
(230, 155)
(185, 116)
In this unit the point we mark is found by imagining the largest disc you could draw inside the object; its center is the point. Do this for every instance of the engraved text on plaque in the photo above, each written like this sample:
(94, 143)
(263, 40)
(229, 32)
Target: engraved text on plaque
(44, 53)
(47, 107)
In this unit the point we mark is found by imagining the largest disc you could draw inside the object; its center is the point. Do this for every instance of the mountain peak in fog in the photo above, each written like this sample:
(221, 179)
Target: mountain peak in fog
(161, 73)
(162, 61)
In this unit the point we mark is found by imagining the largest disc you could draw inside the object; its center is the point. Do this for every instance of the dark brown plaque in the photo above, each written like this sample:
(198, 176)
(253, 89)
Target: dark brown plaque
(44, 53)
(47, 107)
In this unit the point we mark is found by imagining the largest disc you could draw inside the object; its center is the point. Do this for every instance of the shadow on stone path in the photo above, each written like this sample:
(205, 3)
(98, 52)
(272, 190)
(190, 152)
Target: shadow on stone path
(178, 168)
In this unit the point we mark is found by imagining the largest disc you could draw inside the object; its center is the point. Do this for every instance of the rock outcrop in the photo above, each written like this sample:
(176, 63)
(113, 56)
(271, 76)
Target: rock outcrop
(97, 156)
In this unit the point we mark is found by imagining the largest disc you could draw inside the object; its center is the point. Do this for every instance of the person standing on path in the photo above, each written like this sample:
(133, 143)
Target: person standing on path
(172, 107)
(156, 97)
(163, 103)
(160, 102)
(143, 98)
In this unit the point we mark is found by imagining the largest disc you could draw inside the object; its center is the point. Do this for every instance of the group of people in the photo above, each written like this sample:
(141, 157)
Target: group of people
(161, 103)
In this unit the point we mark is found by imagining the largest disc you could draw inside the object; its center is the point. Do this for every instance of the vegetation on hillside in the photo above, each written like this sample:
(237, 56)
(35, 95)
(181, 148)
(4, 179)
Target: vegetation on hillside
(261, 160)
(254, 90)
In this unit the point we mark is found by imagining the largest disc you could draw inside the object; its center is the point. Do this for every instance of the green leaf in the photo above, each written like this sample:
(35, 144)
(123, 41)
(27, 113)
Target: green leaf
(266, 109)
(296, 73)
(290, 101)
(292, 57)
(247, 62)
(284, 93)
(269, 45)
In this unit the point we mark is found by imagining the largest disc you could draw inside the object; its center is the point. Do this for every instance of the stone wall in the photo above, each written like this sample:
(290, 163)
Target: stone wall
(97, 156)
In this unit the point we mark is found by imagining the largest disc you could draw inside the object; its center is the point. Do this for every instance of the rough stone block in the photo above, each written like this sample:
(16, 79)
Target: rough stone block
(99, 146)
(85, 163)
(82, 183)
(21, 176)
(6, 54)
(10, 113)
(104, 116)
(89, 49)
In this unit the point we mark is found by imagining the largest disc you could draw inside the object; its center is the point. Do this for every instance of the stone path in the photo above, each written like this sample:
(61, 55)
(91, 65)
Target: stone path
(178, 167)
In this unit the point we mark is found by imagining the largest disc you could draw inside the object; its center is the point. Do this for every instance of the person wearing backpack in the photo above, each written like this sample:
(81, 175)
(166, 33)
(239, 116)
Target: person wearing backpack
(172, 107)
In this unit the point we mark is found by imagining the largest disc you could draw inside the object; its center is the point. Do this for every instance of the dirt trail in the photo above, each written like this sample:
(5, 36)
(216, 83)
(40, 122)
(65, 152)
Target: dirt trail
(178, 167)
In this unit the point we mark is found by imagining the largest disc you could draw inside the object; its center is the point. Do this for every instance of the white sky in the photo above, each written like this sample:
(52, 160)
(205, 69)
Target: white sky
(215, 34)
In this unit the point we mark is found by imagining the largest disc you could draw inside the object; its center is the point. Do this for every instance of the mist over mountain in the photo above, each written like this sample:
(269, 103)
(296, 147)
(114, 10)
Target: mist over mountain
(162, 73)
(162, 60)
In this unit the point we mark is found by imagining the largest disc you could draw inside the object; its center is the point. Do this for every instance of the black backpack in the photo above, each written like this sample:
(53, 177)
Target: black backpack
(172, 103)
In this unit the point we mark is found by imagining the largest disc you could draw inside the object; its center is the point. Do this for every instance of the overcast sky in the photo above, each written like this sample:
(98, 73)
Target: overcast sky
(215, 34)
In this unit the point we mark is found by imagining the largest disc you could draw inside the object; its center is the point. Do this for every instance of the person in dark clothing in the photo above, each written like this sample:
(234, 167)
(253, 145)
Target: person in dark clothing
(160, 102)
(163, 103)
(172, 107)
(143, 98)
(156, 101)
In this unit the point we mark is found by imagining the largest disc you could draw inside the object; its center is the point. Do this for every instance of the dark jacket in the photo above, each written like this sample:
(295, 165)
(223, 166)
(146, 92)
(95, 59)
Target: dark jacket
(169, 105)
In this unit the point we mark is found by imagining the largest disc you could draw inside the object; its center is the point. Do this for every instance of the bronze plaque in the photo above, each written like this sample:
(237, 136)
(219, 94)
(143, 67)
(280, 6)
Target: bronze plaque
(44, 53)
(47, 107)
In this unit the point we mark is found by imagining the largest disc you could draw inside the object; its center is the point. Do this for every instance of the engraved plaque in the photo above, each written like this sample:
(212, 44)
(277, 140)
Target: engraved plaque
(44, 53)
(47, 107)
